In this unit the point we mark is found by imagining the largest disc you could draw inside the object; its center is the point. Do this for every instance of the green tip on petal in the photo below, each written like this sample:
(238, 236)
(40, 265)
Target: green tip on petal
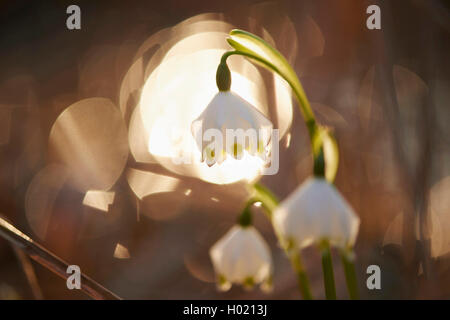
(267, 285)
(248, 283)
(222, 283)
(288, 244)
(237, 150)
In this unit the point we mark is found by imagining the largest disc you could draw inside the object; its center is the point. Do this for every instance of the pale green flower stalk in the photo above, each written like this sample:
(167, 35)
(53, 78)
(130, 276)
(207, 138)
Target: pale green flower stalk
(323, 145)
(327, 266)
(348, 261)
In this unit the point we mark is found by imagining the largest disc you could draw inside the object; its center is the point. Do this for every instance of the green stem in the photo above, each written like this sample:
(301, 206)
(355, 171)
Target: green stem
(302, 277)
(245, 218)
(347, 257)
(327, 266)
(268, 200)
(305, 108)
(308, 115)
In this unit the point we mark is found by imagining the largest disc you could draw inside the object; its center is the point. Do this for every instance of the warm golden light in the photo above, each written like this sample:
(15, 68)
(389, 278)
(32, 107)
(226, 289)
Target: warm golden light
(100, 200)
(90, 139)
(177, 92)
(170, 83)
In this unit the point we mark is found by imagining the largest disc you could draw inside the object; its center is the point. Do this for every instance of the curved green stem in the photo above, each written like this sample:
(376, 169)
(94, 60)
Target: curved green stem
(317, 134)
(327, 267)
(305, 108)
(347, 257)
(268, 200)
(323, 144)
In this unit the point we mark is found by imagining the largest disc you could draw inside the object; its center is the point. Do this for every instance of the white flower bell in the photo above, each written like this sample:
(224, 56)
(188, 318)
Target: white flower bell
(242, 256)
(231, 125)
(316, 211)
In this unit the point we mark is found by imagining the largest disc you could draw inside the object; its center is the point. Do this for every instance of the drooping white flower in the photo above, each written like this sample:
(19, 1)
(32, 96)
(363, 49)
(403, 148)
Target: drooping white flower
(242, 256)
(230, 125)
(316, 211)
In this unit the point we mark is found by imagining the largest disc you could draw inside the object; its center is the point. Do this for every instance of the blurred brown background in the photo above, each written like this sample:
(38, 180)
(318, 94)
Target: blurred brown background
(385, 92)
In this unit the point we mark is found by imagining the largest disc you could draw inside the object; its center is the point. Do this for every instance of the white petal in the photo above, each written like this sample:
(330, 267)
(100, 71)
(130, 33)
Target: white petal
(228, 111)
(240, 254)
(316, 211)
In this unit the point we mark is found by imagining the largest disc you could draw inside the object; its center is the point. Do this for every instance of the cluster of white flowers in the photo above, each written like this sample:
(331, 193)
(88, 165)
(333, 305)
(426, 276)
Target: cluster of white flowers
(313, 213)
